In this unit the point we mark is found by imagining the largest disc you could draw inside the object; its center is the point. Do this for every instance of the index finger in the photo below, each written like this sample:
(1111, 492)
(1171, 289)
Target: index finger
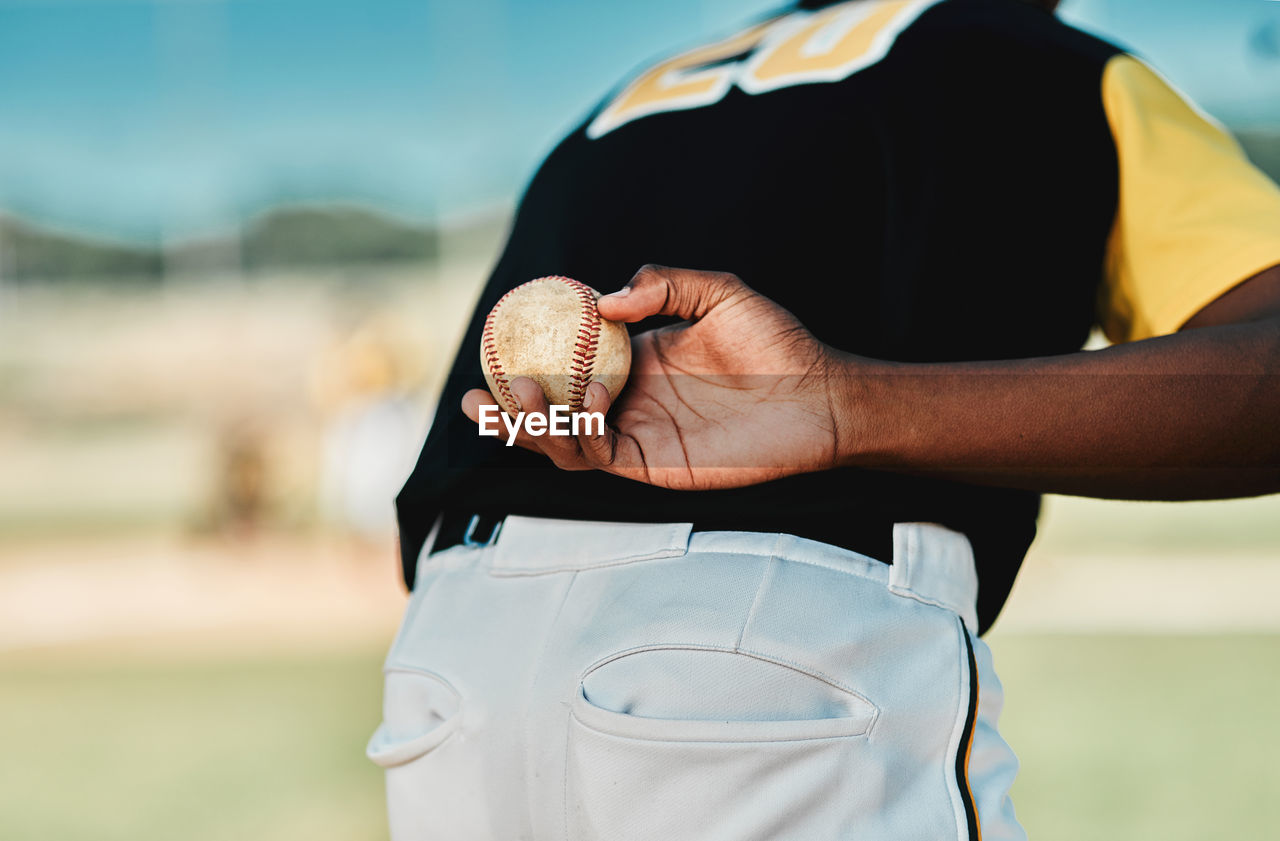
(659, 290)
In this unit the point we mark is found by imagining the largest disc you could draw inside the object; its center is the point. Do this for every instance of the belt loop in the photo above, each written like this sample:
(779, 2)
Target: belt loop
(468, 538)
(935, 565)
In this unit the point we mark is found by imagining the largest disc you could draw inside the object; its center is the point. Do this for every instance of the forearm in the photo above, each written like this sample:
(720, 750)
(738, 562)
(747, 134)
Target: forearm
(1195, 415)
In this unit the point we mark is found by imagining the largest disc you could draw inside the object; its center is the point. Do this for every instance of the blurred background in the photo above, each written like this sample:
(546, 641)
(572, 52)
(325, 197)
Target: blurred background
(238, 240)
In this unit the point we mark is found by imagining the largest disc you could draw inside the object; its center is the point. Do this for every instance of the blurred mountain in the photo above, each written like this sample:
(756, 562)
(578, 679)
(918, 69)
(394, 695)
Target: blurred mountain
(292, 236)
(28, 252)
(323, 235)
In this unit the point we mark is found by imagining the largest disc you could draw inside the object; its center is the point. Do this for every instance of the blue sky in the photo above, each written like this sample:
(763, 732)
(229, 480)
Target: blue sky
(164, 119)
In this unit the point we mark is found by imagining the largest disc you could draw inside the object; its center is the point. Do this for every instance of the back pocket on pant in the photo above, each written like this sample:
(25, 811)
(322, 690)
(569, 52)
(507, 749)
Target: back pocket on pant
(428, 795)
(680, 743)
(419, 711)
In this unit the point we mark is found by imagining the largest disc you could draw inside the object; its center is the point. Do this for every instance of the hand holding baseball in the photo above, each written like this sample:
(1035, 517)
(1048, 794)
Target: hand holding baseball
(740, 394)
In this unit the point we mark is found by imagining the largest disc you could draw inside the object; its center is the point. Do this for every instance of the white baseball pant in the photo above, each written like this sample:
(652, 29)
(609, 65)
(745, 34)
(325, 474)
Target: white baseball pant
(619, 681)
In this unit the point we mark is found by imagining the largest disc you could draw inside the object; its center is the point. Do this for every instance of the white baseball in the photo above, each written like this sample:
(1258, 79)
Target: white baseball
(549, 330)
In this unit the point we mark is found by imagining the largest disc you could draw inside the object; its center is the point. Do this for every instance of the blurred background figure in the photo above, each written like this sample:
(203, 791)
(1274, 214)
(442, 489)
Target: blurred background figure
(373, 429)
(241, 502)
(238, 240)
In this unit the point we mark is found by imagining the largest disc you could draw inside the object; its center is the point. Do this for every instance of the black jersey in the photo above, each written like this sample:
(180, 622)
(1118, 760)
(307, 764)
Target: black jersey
(915, 180)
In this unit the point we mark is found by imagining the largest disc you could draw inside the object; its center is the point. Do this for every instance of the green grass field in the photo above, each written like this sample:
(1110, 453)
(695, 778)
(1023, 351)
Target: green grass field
(1128, 737)
(262, 749)
(1143, 737)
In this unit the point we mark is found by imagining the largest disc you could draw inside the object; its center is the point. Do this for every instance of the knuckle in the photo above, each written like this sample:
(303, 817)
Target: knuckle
(602, 450)
(729, 282)
(687, 298)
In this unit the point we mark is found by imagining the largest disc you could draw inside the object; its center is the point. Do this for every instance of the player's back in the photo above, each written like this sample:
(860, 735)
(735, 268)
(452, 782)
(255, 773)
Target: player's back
(915, 180)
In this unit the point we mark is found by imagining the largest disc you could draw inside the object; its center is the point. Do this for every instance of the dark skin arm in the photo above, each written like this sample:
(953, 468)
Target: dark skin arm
(1194, 415)
(743, 394)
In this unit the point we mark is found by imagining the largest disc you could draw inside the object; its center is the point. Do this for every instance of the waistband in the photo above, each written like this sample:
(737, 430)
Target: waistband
(931, 563)
(870, 536)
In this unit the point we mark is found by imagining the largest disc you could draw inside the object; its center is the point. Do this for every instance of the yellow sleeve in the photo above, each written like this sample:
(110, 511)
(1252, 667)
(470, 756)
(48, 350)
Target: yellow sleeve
(1194, 219)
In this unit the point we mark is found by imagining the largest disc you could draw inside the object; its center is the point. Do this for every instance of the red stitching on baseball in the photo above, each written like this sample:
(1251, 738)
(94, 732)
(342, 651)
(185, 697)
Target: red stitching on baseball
(584, 350)
(491, 355)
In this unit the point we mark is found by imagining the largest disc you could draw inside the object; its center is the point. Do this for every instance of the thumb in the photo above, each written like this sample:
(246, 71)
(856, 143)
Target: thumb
(659, 290)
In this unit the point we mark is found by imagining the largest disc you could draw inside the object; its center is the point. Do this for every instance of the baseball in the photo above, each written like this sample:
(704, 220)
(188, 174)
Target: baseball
(549, 330)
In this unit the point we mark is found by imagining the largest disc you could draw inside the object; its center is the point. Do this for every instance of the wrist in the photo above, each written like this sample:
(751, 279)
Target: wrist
(861, 397)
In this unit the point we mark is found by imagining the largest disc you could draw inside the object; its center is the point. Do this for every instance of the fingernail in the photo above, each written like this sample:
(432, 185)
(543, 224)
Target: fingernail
(588, 399)
(621, 293)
